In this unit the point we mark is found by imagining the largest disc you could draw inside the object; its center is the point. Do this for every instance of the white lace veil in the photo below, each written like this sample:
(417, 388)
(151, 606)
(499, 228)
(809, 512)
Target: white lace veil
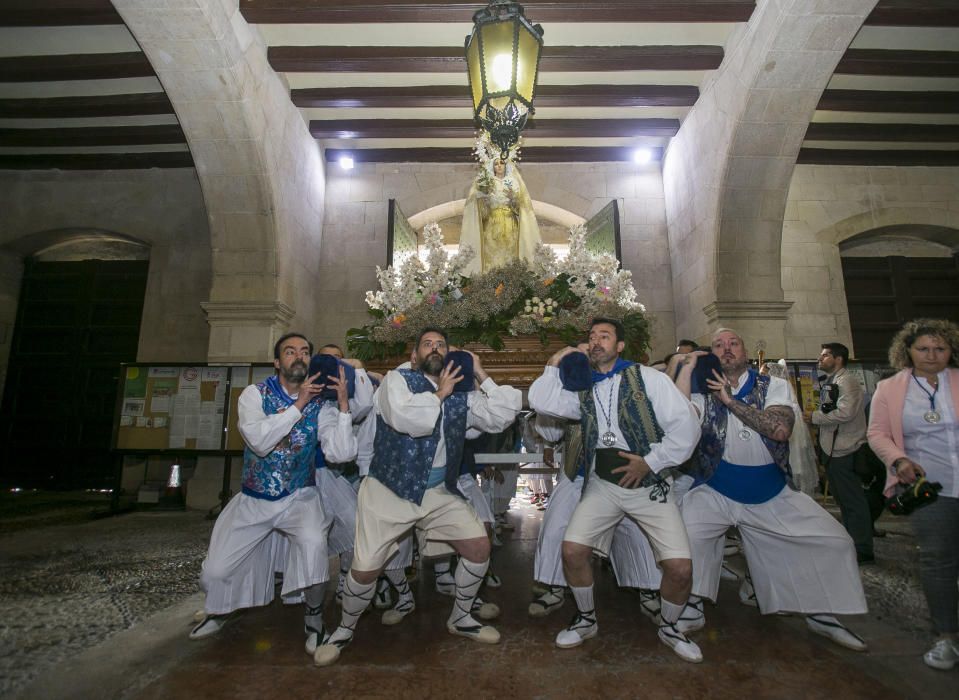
(802, 456)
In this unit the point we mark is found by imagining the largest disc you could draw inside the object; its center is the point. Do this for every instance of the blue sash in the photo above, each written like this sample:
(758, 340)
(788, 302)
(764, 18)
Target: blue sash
(749, 485)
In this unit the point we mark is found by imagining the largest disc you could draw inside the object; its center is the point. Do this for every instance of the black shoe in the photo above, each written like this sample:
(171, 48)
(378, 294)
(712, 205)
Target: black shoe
(865, 559)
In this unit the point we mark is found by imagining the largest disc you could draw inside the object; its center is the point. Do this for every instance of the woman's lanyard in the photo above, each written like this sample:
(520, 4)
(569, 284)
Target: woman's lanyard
(932, 415)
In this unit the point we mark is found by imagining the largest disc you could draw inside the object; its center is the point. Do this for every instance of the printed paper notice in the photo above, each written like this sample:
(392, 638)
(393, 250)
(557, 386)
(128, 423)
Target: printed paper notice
(208, 427)
(213, 374)
(189, 380)
(164, 372)
(133, 407)
(161, 396)
(135, 386)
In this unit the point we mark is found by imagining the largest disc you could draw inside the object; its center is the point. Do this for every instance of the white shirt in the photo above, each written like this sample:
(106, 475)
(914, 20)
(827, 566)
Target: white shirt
(262, 433)
(750, 452)
(673, 412)
(934, 446)
(492, 409)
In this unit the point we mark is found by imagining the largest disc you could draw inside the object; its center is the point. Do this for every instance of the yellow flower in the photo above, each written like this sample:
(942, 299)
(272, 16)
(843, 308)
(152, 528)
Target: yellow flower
(499, 289)
(549, 281)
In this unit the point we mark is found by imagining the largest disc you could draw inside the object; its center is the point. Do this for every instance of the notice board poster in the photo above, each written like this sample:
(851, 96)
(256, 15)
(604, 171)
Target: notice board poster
(172, 407)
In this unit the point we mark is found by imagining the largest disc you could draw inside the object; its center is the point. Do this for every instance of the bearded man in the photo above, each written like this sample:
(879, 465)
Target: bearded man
(421, 425)
(282, 420)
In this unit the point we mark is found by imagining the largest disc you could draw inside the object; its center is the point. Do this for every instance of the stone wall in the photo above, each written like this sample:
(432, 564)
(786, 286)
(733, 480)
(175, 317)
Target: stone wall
(828, 205)
(161, 208)
(355, 227)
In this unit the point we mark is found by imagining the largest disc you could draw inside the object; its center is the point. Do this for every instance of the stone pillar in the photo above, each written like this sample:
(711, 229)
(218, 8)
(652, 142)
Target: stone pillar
(261, 172)
(245, 332)
(727, 172)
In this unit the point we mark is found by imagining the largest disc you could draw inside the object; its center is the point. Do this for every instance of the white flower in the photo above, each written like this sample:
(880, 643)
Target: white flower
(535, 300)
(528, 308)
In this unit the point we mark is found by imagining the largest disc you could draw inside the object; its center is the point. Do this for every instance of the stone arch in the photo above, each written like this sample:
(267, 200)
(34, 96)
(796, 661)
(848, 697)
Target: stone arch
(40, 242)
(929, 224)
(727, 172)
(263, 184)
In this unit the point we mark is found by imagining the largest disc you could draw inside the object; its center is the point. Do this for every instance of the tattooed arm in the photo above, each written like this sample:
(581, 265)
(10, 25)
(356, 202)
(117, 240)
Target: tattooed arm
(775, 421)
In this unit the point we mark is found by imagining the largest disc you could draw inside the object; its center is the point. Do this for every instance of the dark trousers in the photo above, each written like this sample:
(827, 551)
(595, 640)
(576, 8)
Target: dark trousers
(937, 529)
(846, 487)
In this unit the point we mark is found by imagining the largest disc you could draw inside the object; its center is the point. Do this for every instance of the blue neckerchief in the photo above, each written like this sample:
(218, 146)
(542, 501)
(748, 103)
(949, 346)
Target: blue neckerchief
(748, 386)
(620, 365)
(274, 384)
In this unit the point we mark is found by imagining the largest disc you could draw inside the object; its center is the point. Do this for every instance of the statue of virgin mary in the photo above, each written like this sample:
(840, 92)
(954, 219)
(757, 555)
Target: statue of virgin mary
(498, 219)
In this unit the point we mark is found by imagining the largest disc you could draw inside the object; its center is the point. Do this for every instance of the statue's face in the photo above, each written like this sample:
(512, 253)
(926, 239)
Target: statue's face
(499, 168)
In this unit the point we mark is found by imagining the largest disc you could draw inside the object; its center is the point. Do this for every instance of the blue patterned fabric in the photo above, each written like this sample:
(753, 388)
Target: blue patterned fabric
(636, 418)
(403, 463)
(712, 444)
(290, 465)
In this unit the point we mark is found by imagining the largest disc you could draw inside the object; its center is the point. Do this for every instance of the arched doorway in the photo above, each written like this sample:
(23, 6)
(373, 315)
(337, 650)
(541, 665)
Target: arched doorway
(896, 273)
(78, 317)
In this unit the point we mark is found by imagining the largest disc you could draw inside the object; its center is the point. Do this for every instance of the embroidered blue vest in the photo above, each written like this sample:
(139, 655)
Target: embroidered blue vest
(636, 418)
(712, 444)
(290, 465)
(403, 463)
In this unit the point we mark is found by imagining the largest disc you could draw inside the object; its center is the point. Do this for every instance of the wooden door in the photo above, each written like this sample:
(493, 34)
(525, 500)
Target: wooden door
(76, 322)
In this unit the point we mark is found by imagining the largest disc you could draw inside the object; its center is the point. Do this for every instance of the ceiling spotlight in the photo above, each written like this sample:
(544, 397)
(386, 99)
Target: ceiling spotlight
(642, 156)
(346, 162)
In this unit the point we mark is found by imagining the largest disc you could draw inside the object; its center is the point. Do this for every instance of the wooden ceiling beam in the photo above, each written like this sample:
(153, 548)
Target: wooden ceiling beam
(57, 13)
(460, 128)
(86, 66)
(86, 106)
(458, 96)
(899, 101)
(363, 11)
(531, 154)
(900, 62)
(858, 131)
(96, 161)
(914, 13)
(93, 136)
(443, 59)
(841, 156)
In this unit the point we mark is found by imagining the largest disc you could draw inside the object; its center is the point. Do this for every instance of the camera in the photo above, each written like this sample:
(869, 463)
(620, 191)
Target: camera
(828, 396)
(914, 496)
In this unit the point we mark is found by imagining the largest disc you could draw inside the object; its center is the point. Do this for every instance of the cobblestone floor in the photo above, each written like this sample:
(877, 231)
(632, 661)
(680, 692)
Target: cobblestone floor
(67, 587)
(64, 588)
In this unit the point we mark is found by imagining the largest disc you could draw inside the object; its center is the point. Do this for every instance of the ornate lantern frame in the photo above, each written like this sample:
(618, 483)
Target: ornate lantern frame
(500, 106)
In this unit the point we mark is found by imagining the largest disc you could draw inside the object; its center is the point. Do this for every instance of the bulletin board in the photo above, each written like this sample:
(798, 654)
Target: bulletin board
(182, 408)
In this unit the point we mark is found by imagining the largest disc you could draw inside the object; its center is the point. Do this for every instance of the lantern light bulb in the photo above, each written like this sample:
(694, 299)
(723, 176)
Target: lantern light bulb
(642, 156)
(346, 162)
(502, 71)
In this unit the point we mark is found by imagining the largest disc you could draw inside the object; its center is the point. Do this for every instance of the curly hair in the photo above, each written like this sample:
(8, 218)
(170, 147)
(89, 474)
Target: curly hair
(904, 339)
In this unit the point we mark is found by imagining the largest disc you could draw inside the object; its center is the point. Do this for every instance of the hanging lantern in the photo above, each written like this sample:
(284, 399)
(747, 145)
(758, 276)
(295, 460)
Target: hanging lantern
(502, 55)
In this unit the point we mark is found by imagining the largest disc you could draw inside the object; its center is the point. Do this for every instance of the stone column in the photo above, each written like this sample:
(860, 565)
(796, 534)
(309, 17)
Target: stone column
(727, 172)
(261, 172)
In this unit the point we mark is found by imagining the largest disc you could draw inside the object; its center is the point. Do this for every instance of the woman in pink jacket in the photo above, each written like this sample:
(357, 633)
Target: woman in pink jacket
(914, 429)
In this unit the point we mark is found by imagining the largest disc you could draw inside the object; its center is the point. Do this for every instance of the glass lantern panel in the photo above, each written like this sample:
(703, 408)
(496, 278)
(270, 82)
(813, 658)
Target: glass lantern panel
(498, 55)
(476, 78)
(527, 59)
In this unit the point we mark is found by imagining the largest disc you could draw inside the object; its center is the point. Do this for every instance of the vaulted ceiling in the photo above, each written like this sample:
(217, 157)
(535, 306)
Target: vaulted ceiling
(385, 80)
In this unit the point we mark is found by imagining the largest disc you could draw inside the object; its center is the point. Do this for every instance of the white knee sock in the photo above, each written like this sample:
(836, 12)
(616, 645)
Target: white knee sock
(583, 595)
(356, 598)
(670, 612)
(441, 569)
(469, 577)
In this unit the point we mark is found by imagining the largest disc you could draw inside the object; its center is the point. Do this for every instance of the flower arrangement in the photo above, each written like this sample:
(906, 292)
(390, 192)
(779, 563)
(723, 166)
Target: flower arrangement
(545, 297)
